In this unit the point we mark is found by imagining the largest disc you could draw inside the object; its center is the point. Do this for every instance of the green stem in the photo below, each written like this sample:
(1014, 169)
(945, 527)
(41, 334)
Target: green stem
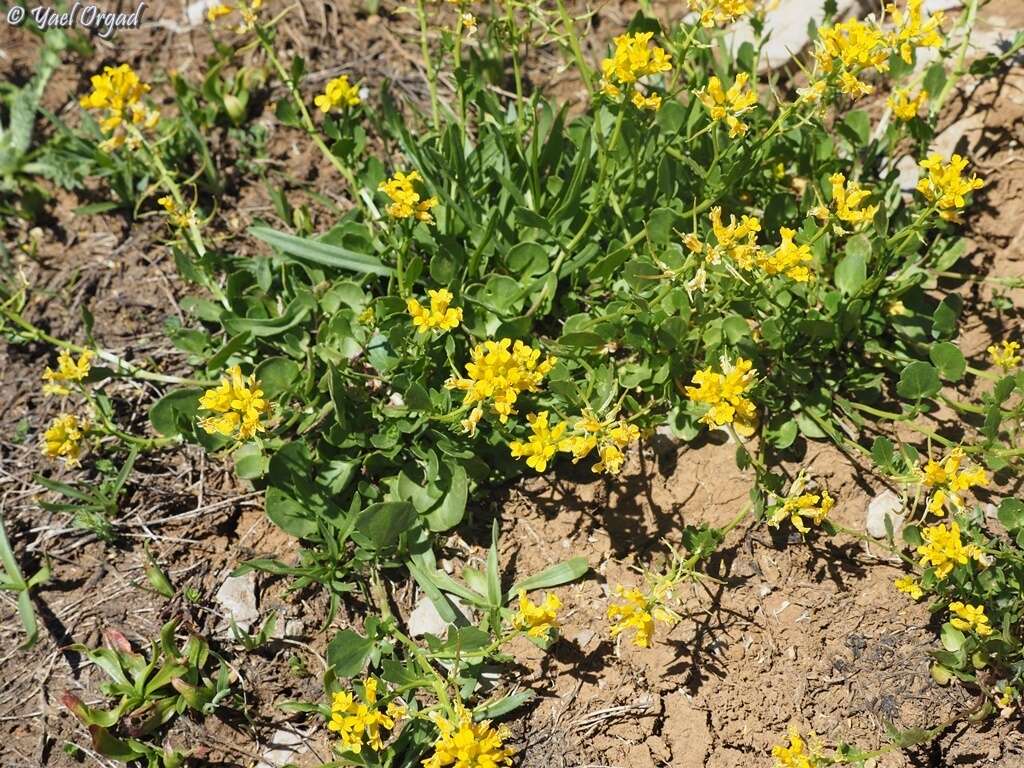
(33, 333)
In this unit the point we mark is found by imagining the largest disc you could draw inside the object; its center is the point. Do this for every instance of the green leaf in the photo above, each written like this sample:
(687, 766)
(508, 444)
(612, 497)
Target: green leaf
(383, 523)
(852, 270)
(503, 706)
(556, 575)
(250, 461)
(918, 380)
(347, 653)
(530, 218)
(859, 125)
(950, 361)
(175, 412)
(660, 224)
(1011, 514)
(289, 515)
(952, 638)
(276, 376)
(321, 254)
(452, 508)
(417, 398)
(882, 452)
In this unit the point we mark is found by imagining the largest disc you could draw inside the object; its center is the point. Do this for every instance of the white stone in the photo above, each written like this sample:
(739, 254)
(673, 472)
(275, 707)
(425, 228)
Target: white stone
(885, 503)
(787, 24)
(425, 619)
(237, 598)
(284, 747)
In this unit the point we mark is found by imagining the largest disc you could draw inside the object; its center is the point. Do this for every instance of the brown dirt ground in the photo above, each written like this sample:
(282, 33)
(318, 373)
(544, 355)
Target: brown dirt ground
(791, 631)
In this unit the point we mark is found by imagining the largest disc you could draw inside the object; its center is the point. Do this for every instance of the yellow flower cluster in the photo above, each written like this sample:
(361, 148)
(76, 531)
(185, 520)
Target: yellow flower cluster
(405, 200)
(68, 370)
(721, 12)
(847, 201)
(912, 31)
(360, 722)
(788, 259)
(737, 242)
(441, 315)
(608, 438)
(179, 216)
(796, 755)
(845, 51)
(637, 612)
(63, 438)
(498, 373)
(728, 105)
(799, 505)
(539, 621)
(725, 394)
(464, 744)
(240, 406)
(908, 585)
(970, 618)
(949, 481)
(905, 107)
(337, 93)
(1007, 357)
(118, 92)
(543, 443)
(633, 59)
(246, 10)
(943, 549)
(945, 185)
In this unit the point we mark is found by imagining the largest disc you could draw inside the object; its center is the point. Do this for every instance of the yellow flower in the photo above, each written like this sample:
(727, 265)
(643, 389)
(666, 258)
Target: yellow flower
(721, 12)
(539, 621)
(848, 49)
(799, 505)
(541, 445)
(909, 586)
(117, 92)
(896, 308)
(848, 201)
(360, 722)
(1006, 358)
(179, 216)
(608, 438)
(728, 105)
(945, 185)
(637, 613)
(464, 744)
(788, 259)
(440, 316)
(943, 550)
(651, 102)
(63, 437)
(405, 200)
(499, 372)
(367, 316)
(796, 755)
(246, 10)
(735, 241)
(68, 370)
(903, 106)
(724, 393)
(337, 93)
(912, 31)
(969, 618)
(949, 481)
(239, 405)
(634, 58)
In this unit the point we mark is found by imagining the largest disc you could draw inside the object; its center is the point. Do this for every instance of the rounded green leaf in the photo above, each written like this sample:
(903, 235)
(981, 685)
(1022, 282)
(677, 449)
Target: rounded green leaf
(949, 360)
(918, 380)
